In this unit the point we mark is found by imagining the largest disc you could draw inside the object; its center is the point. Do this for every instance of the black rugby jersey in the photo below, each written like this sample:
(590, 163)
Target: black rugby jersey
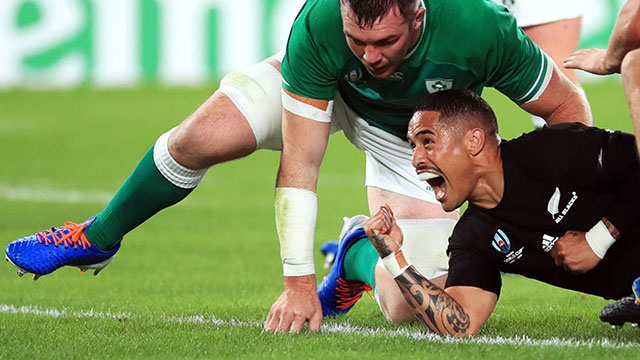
(562, 177)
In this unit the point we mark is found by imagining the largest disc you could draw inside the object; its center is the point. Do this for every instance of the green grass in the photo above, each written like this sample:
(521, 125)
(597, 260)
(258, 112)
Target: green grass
(216, 253)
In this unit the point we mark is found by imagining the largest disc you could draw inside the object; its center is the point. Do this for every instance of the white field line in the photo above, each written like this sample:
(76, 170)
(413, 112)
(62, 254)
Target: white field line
(329, 327)
(44, 194)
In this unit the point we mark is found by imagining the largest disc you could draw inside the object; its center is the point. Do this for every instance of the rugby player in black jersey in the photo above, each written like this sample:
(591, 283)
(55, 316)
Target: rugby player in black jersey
(556, 205)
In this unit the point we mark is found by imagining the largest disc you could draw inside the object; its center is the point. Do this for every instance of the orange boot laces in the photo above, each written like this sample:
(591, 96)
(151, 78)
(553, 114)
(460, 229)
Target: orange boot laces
(349, 293)
(74, 236)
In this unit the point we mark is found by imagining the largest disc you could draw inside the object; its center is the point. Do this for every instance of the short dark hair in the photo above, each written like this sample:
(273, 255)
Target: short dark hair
(461, 106)
(368, 11)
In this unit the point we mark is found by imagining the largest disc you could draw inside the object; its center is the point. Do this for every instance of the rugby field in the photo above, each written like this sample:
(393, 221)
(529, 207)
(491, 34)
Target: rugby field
(197, 280)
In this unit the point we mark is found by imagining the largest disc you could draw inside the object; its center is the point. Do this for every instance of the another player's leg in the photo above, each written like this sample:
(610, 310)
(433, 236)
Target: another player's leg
(624, 310)
(357, 267)
(391, 179)
(352, 270)
(558, 39)
(240, 117)
(630, 71)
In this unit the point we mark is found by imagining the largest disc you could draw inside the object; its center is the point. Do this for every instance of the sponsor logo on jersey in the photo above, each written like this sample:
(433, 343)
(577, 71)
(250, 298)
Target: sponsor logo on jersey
(547, 242)
(501, 242)
(553, 207)
(354, 75)
(435, 85)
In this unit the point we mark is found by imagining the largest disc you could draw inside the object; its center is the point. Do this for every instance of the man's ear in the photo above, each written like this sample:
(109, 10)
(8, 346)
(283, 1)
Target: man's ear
(419, 18)
(475, 141)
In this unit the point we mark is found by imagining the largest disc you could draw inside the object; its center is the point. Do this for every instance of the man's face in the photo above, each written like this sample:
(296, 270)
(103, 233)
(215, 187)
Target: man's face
(382, 46)
(440, 158)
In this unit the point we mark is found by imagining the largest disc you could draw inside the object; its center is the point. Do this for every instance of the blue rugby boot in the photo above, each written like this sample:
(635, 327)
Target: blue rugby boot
(329, 249)
(44, 252)
(624, 310)
(337, 295)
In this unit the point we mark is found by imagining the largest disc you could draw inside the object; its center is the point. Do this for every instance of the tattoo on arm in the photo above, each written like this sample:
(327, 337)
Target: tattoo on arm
(380, 244)
(436, 309)
(615, 233)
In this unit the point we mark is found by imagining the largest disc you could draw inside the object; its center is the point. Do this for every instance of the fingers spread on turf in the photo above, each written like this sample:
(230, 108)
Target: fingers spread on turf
(315, 321)
(272, 319)
(286, 318)
(297, 324)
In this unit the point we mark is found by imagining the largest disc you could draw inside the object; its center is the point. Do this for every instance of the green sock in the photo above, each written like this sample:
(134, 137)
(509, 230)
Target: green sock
(144, 193)
(360, 262)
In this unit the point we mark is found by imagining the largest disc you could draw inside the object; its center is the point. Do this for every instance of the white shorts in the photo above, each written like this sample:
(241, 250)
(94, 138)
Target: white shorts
(256, 92)
(536, 12)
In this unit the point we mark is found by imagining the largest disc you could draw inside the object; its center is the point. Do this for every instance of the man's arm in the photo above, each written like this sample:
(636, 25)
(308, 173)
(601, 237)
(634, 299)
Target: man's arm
(560, 102)
(624, 38)
(458, 310)
(304, 142)
(579, 252)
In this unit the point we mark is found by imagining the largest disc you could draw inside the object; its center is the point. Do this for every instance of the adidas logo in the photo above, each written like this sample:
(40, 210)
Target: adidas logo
(548, 242)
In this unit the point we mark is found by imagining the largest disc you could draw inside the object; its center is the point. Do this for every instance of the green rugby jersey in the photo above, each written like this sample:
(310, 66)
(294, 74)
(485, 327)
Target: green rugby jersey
(464, 44)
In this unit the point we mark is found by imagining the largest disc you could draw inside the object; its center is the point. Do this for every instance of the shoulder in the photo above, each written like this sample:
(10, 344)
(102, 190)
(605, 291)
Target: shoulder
(554, 140)
(477, 15)
(473, 226)
(470, 27)
(318, 23)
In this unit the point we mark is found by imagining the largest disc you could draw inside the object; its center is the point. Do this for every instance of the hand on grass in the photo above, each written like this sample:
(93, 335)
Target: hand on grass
(297, 304)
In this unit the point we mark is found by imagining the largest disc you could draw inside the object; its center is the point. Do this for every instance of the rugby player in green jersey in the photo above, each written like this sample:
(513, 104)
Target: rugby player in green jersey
(359, 66)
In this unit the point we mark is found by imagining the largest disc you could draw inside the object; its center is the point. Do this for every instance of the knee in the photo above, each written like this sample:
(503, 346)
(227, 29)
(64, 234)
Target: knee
(397, 310)
(631, 64)
(189, 143)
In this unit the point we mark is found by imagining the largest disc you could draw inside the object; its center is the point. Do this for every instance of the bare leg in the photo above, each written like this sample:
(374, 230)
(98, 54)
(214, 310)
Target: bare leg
(558, 47)
(216, 132)
(630, 71)
(558, 39)
(406, 207)
(393, 303)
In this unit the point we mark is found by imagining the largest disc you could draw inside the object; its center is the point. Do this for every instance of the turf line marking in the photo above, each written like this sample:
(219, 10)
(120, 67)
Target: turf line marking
(44, 194)
(329, 327)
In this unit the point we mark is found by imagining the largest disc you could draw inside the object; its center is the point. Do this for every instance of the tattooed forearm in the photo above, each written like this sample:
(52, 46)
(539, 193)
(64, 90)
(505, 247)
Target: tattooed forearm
(615, 233)
(436, 309)
(380, 244)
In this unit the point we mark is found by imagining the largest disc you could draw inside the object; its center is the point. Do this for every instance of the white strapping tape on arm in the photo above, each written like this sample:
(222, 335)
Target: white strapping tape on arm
(296, 215)
(396, 263)
(304, 110)
(599, 239)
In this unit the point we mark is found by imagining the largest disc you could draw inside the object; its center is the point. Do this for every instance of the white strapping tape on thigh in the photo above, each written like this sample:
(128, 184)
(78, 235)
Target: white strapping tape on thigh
(175, 173)
(425, 242)
(256, 94)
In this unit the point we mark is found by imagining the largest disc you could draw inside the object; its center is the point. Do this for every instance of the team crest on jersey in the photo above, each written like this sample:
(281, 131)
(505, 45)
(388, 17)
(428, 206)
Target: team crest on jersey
(501, 242)
(354, 75)
(435, 85)
(553, 207)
